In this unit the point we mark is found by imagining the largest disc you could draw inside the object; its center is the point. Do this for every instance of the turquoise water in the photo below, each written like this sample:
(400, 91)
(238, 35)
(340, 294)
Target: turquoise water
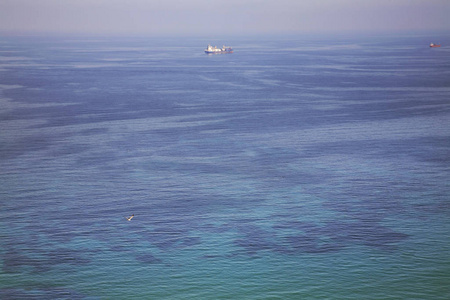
(294, 168)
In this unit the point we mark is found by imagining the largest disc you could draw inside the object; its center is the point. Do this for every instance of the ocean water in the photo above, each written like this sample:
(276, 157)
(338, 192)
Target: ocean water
(297, 167)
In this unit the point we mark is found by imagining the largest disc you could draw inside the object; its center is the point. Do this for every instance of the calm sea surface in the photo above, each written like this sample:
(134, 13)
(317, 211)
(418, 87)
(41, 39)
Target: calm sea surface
(294, 168)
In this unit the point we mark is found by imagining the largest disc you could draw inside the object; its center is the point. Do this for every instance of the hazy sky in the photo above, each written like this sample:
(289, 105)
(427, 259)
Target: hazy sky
(199, 17)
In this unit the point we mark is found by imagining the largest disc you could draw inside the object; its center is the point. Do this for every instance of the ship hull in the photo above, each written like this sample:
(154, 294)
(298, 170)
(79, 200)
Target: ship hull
(218, 52)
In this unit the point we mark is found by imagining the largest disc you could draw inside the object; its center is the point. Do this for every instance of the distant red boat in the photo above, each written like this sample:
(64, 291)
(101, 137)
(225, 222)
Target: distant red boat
(434, 45)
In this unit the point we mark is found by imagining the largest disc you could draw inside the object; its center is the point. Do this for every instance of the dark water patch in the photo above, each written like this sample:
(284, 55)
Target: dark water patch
(442, 207)
(309, 228)
(190, 241)
(255, 239)
(60, 233)
(172, 228)
(172, 236)
(187, 212)
(212, 256)
(253, 245)
(100, 110)
(283, 215)
(213, 228)
(15, 262)
(339, 230)
(89, 118)
(67, 256)
(56, 145)
(165, 243)
(308, 244)
(40, 293)
(402, 104)
(172, 240)
(69, 149)
(70, 224)
(42, 260)
(148, 258)
(363, 232)
(122, 247)
(24, 241)
(21, 146)
(376, 206)
(331, 236)
(378, 236)
(433, 149)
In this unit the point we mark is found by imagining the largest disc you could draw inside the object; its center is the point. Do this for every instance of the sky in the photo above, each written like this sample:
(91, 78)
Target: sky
(232, 17)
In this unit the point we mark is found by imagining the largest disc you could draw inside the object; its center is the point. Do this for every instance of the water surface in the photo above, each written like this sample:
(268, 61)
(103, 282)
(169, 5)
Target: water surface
(294, 168)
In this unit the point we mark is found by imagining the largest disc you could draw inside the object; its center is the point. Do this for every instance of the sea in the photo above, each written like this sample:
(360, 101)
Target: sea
(297, 167)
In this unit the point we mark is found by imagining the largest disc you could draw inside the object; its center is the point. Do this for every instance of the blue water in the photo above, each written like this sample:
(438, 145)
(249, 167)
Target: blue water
(297, 167)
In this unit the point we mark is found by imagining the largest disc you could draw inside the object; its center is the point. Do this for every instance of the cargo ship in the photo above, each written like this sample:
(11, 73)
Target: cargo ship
(214, 50)
(434, 45)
